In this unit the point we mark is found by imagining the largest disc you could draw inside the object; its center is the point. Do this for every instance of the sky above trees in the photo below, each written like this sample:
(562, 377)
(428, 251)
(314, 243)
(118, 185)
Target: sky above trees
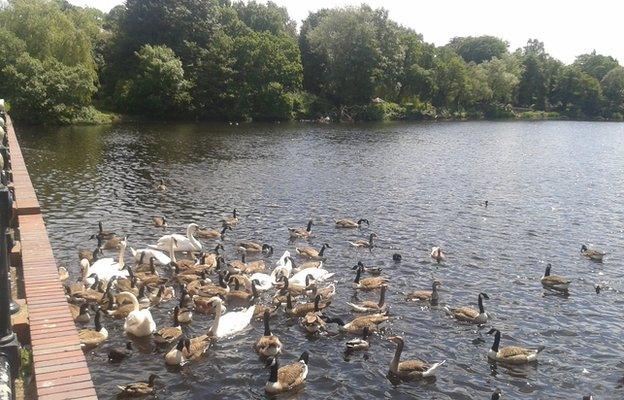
(567, 28)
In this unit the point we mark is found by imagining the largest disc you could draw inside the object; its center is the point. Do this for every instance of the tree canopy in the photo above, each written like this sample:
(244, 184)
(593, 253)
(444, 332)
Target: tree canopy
(223, 60)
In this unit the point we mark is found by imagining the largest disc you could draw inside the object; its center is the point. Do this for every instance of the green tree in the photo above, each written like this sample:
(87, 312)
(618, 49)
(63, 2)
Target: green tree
(159, 88)
(613, 89)
(595, 65)
(503, 77)
(478, 49)
(47, 91)
(266, 18)
(578, 94)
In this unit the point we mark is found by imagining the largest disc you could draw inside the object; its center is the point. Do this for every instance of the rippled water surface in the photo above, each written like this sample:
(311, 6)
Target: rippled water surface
(551, 186)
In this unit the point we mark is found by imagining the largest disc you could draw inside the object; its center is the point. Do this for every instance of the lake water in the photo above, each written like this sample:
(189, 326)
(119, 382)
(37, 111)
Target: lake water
(551, 186)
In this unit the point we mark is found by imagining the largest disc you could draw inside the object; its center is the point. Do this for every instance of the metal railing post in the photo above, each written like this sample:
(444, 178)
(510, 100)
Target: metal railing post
(9, 347)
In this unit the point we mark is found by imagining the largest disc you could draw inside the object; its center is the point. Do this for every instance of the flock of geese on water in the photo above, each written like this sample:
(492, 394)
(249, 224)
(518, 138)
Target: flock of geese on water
(206, 282)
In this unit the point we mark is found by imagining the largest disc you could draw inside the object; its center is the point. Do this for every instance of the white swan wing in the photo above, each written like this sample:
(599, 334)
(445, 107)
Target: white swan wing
(161, 257)
(318, 274)
(265, 281)
(140, 323)
(234, 322)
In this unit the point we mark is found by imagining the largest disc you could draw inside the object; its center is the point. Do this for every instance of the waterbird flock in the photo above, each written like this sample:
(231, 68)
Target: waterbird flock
(177, 272)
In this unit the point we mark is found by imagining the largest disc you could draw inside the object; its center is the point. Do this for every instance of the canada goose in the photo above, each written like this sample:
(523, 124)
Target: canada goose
(497, 395)
(90, 338)
(554, 282)
(63, 273)
(313, 254)
(117, 354)
(231, 221)
(185, 314)
(592, 254)
(170, 333)
(426, 295)
(268, 345)
(242, 295)
(180, 242)
(89, 255)
(302, 309)
(211, 290)
(375, 271)
(365, 244)
(349, 223)
(129, 284)
(357, 325)
(159, 222)
(138, 389)
(188, 350)
(371, 306)
(301, 233)
(469, 314)
(139, 322)
(437, 254)
(367, 284)
(104, 235)
(122, 310)
(306, 265)
(161, 186)
(80, 313)
(511, 354)
(287, 377)
(149, 267)
(411, 369)
(250, 267)
(326, 292)
(359, 343)
(253, 247)
(213, 233)
(485, 203)
(162, 295)
(108, 244)
(230, 323)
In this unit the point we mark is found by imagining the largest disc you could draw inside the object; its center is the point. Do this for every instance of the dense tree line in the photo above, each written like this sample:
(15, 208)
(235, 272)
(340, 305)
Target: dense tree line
(217, 59)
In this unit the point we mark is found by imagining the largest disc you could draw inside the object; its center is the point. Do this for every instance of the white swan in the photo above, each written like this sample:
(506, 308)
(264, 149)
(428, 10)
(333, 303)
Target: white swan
(318, 274)
(146, 254)
(230, 323)
(107, 268)
(284, 264)
(139, 322)
(264, 282)
(180, 242)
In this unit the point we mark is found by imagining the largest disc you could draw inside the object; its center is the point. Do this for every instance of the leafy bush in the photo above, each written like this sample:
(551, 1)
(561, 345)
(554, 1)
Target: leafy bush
(420, 111)
(385, 111)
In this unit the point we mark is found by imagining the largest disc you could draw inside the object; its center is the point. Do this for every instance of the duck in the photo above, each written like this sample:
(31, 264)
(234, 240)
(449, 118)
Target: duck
(213, 233)
(304, 308)
(301, 233)
(367, 284)
(268, 345)
(118, 354)
(592, 254)
(365, 244)
(159, 222)
(90, 338)
(231, 221)
(371, 306)
(181, 243)
(63, 273)
(437, 254)
(359, 343)
(138, 389)
(554, 282)
(469, 314)
(357, 325)
(139, 322)
(410, 369)
(171, 333)
(288, 377)
(350, 224)
(513, 354)
(430, 296)
(231, 323)
(313, 254)
(80, 313)
(161, 186)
